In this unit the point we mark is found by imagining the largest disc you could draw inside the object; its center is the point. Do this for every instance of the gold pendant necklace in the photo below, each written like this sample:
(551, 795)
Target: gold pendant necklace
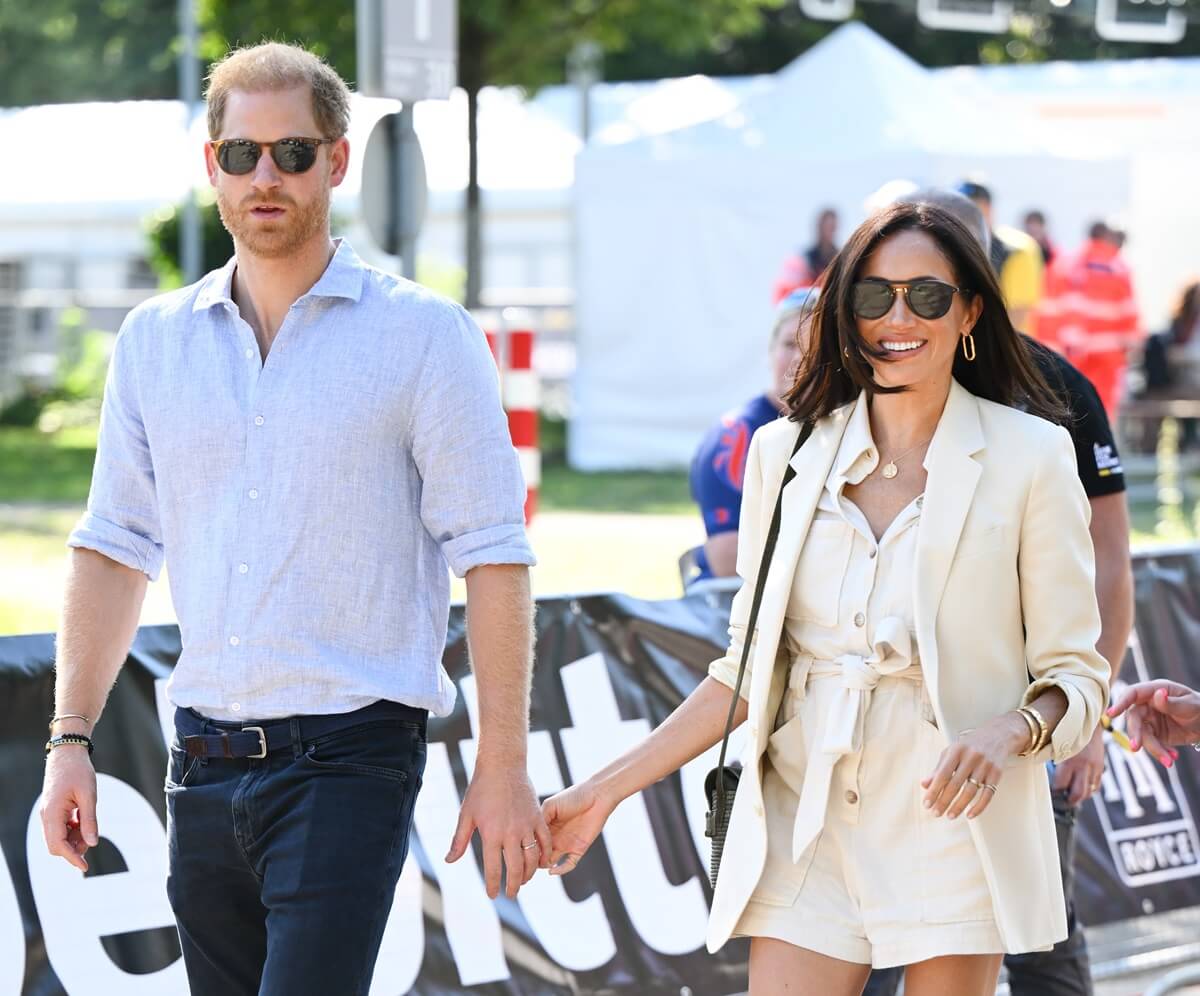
(890, 469)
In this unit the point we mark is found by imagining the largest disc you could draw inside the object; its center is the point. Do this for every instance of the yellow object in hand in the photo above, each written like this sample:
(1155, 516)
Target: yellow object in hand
(1117, 735)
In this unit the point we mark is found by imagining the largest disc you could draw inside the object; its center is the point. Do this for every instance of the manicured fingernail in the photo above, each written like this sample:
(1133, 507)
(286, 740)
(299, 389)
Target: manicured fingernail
(92, 839)
(951, 816)
(1167, 762)
(927, 803)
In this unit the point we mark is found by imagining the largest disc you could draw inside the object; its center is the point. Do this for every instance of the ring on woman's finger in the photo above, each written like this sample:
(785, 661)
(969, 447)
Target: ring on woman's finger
(988, 785)
(974, 781)
(529, 846)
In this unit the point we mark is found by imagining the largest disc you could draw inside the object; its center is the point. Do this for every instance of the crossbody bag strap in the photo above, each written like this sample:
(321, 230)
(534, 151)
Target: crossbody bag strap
(759, 585)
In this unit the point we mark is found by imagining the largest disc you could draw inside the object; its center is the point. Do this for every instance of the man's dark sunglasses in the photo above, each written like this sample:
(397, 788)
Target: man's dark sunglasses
(239, 156)
(928, 299)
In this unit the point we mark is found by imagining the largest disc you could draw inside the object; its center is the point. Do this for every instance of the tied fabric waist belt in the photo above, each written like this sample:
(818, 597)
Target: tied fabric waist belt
(891, 657)
(209, 738)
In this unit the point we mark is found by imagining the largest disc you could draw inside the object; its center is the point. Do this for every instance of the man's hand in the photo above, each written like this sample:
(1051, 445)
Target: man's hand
(502, 805)
(1080, 775)
(69, 804)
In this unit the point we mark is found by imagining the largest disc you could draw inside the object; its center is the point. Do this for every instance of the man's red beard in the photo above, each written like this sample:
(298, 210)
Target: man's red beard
(275, 238)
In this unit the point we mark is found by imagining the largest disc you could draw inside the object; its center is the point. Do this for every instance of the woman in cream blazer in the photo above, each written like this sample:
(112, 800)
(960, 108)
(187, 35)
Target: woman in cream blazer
(1002, 614)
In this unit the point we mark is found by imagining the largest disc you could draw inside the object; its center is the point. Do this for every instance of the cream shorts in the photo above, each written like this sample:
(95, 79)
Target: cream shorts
(885, 883)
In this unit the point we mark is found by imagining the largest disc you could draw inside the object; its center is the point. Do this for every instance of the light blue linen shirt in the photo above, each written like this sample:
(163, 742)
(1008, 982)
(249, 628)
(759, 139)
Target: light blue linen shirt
(307, 505)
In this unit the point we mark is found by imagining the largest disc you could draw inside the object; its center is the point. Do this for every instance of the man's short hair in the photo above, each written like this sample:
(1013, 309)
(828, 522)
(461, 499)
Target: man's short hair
(960, 206)
(275, 66)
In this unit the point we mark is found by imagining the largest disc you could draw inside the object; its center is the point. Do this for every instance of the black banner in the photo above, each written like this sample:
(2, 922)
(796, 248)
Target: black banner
(630, 919)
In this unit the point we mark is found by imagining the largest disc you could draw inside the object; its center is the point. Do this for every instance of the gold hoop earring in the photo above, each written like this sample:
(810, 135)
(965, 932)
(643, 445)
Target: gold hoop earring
(968, 345)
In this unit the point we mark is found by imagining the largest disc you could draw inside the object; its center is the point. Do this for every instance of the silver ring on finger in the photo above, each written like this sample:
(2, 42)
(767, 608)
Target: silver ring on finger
(989, 786)
(528, 847)
(975, 781)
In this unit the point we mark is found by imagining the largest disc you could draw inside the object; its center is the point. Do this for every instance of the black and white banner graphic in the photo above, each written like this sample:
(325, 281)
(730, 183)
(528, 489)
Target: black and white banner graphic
(631, 919)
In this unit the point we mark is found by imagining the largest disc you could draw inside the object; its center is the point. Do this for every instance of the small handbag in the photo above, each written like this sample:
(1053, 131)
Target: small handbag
(720, 786)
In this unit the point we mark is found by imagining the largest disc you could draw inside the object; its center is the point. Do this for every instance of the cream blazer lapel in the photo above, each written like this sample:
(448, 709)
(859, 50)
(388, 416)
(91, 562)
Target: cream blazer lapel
(812, 463)
(953, 475)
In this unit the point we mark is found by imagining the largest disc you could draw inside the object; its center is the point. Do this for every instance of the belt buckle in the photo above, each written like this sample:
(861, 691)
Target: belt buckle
(262, 740)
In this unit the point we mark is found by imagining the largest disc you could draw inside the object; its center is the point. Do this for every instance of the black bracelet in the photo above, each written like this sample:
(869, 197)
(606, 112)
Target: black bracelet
(70, 738)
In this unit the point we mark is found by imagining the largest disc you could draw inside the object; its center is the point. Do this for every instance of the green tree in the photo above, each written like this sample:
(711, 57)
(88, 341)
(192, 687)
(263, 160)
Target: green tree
(63, 50)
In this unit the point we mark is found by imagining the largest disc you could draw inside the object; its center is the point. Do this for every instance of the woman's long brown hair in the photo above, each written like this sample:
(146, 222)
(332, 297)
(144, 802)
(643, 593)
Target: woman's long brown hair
(836, 368)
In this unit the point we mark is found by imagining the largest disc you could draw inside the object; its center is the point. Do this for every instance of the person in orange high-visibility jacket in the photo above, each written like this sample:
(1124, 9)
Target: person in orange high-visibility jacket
(1089, 313)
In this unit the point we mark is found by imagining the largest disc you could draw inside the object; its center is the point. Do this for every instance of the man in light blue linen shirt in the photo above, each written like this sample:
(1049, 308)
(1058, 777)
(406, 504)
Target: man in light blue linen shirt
(309, 442)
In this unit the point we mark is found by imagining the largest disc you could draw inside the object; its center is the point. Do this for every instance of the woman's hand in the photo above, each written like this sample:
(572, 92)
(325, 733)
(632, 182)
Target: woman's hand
(575, 817)
(1161, 714)
(969, 770)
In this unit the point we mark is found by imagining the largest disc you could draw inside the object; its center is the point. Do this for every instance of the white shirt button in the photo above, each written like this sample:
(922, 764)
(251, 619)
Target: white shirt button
(258, 420)
(235, 706)
(920, 501)
(253, 493)
(851, 796)
(859, 619)
(249, 354)
(872, 554)
(243, 568)
(234, 641)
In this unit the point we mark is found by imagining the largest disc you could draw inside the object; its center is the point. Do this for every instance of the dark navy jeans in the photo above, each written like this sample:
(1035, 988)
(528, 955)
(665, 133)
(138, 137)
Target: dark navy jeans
(282, 870)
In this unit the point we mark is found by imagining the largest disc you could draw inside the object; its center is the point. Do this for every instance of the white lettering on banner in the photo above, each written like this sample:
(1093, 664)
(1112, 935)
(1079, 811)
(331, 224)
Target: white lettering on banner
(472, 925)
(403, 947)
(670, 918)
(1143, 810)
(12, 934)
(576, 935)
(75, 912)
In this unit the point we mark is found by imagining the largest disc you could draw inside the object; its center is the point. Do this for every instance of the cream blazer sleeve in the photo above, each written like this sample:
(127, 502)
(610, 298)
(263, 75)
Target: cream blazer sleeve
(1061, 631)
(752, 530)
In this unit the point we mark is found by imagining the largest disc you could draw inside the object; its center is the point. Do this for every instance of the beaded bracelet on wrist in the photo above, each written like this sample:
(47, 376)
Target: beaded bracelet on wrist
(66, 739)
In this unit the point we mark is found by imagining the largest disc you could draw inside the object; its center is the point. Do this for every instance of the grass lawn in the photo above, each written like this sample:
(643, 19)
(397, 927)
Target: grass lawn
(38, 467)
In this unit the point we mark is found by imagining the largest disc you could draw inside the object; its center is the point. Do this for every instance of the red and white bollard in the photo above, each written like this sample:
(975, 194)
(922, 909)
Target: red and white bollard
(520, 390)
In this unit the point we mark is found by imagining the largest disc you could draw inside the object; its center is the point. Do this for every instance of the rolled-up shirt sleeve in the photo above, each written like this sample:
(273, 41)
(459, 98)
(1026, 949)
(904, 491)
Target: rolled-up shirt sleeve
(1058, 598)
(751, 532)
(472, 488)
(122, 521)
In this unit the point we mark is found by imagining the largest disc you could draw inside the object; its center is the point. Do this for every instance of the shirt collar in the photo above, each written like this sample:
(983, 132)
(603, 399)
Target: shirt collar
(857, 455)
(343, 277)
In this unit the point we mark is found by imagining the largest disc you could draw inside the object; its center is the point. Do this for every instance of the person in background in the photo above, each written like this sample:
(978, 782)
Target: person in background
(1035, 228)
(1065, 970)
(805, 268)
(1016, 257)
(1090, 313)
(716, 473)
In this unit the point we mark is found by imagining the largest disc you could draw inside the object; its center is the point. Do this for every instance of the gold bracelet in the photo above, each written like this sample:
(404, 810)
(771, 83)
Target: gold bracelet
(1045, 730)
(66, 715)
(1033, 732)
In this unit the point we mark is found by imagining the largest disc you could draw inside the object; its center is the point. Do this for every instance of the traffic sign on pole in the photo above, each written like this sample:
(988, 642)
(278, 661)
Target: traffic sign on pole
(410, 48)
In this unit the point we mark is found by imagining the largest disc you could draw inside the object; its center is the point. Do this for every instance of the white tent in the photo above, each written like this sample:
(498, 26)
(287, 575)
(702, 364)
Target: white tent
(681, 234)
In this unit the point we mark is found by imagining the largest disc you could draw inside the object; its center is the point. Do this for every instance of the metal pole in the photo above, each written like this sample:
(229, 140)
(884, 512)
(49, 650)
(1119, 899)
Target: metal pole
(367, 26)
(405, 205)
(191, 244)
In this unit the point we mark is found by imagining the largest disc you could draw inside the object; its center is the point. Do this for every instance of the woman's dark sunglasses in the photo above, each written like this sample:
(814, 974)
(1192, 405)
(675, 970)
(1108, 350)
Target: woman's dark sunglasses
(239, 156)
(928, 299)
